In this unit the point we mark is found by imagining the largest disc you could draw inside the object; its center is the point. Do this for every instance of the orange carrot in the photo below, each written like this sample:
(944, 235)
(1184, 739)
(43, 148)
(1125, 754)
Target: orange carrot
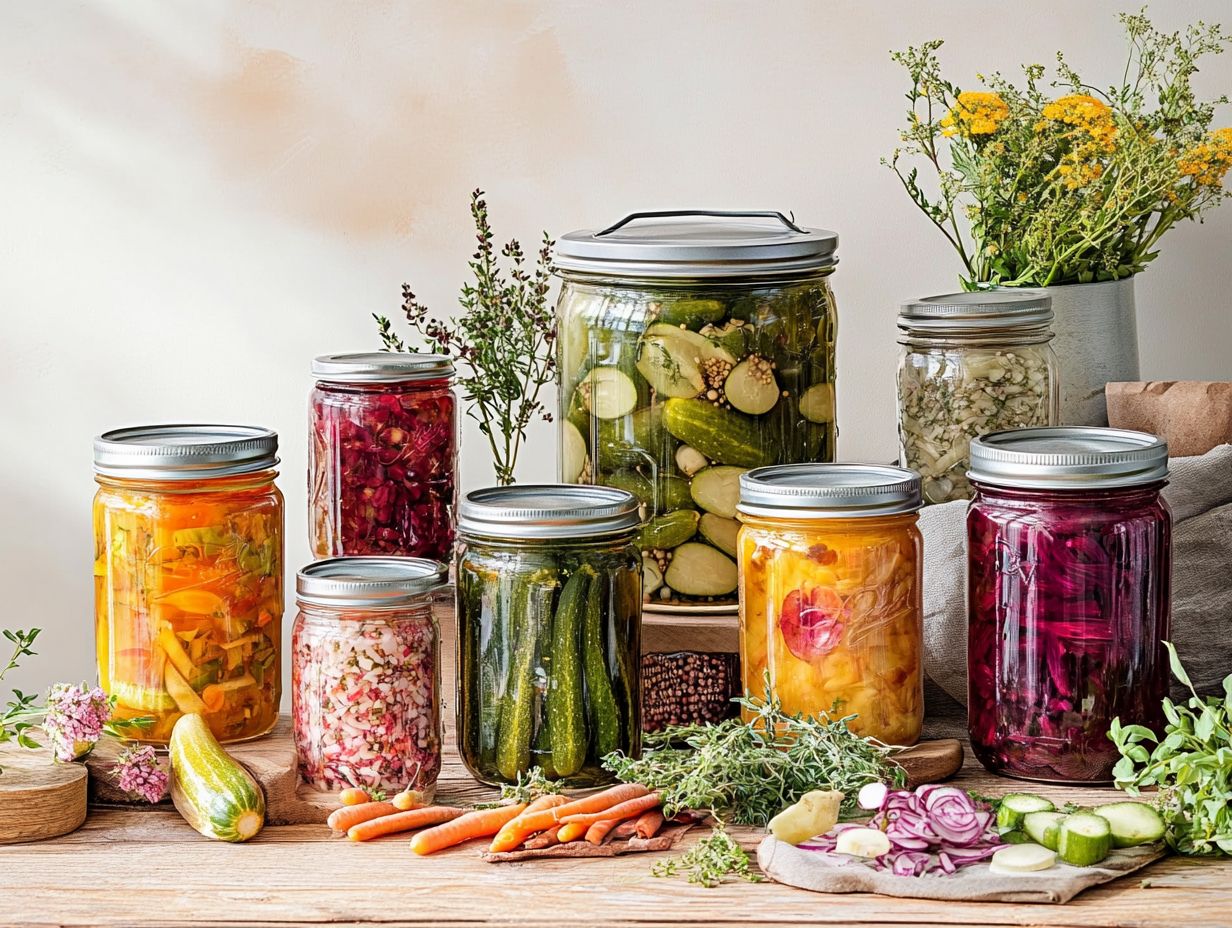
(529, 822)
(599, 830)
(403, 821)
(627, 809)
(481, 823)
(649, 823)
(342, 819)
(625, 829)
(544, 804)
(543, 839)
(570, 832)
(353, 796)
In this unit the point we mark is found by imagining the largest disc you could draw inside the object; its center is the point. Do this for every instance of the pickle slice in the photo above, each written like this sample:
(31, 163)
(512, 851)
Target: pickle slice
(751, 386)
(717, 489)
(700, 570)
(573, 453)
(610, 393)
(720, 532)
(668, 368)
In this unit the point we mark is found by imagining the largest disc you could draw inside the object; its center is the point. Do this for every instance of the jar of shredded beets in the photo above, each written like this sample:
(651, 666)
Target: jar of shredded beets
(365, 674)
(831, 603)
(1069, 583)
(382, 455)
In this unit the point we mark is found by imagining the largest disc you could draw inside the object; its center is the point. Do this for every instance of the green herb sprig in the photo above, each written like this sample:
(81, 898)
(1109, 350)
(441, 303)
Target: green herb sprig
(529, 786)
(20, 712)
(503, 342)
(1191, 765)
(711, 861)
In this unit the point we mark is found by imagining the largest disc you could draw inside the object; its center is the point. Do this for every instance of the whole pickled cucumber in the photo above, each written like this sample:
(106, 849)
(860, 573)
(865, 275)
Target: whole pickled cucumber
(566, 711)
(479, 707)
(530, 605)
(604, 713)
(724, 436)
(669, 530)
(667, 493)
(691, 313)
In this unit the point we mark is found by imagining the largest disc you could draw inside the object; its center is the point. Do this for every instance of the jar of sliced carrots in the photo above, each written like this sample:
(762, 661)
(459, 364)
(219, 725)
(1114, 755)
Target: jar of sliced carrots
(188, 529)
(830, 593)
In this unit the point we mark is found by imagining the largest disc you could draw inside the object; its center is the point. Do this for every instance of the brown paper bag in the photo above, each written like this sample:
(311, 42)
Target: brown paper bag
(1192, 416)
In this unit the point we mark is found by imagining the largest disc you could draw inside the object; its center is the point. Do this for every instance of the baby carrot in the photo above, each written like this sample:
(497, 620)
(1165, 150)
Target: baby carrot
(537, 807)
(353, 796)
(627, 809)
(403, 821)
(571, 832)
(529, 822)
(481, 823)
(408, 799)
(598, 831)
(342, 819)
(543, 839)
(649, 823)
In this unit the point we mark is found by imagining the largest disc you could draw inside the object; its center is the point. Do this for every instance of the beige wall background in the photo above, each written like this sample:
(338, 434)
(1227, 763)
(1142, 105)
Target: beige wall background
(200, 196)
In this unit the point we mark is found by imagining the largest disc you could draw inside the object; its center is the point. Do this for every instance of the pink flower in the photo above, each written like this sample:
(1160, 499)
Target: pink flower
(75, 719)
(138, 773)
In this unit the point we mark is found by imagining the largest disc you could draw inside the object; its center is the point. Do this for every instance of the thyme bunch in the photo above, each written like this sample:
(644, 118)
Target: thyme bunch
(503, 341)
(710, 861)
(20, 712)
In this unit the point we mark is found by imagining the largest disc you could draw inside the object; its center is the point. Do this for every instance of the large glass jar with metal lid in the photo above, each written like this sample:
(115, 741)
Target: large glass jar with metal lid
(1069, 575)
(382, 455)
(188, 576)
(694, 346)
(365, 673)
(549, 613)
(830, 593)
(971, 363)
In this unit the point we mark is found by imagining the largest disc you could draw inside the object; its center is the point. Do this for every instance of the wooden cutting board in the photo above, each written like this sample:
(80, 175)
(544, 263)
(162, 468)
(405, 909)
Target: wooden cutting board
(39, 798)
(930, 761)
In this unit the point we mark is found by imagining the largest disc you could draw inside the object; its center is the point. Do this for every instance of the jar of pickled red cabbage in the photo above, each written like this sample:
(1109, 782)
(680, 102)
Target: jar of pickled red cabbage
(382, 455)
(549, 623)
(365, 673)
(830, 594)
(1069, 582)
(188, 529)
(971, 363)
(694, 345)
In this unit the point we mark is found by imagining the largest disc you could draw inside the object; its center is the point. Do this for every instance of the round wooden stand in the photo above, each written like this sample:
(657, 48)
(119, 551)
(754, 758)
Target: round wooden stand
(38, 798)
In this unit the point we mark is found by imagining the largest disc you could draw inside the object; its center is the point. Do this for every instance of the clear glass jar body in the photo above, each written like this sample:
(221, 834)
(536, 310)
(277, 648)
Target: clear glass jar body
(365, 696)
(188, 601)
(952, 389)
(1069, 603)
(549, 638)
(831, 612)
(381, 464)
(670, 389)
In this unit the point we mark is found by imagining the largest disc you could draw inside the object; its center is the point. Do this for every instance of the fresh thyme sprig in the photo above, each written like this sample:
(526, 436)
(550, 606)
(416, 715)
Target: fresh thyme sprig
(710, 861)
(504, 341)
(19, 712)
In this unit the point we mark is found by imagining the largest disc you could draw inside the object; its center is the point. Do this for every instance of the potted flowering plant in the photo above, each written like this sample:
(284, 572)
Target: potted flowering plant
(1067, 186)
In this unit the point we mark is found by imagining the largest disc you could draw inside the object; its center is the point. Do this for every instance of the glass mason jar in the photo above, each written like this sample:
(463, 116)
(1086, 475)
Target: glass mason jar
(971, 363)
(1069, 583)
(188, 576)
(694, 346)
(831, 607)
(365, 673)
(382, 454)
(549, 623)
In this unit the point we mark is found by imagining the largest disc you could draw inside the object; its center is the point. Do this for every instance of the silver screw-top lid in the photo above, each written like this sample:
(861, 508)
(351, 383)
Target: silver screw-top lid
(184, 452)
(676, 244)
(380, 367)
(1068, 458)
(368, 582)
(829, 491)
(978, 311)
(548, 511)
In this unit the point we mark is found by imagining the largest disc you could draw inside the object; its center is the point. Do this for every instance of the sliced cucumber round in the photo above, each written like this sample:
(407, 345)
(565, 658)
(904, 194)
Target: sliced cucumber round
(1132, 823)
(1015, 807)
(572, 453)
(717, 489)
(696, 347)
(700, 570)
(1084, 839)
(669, 367)
(610, 392)
(652, 577)
(1043, 827)
(1022, 858)
(720, 532)
(751, 386)
(817, 403)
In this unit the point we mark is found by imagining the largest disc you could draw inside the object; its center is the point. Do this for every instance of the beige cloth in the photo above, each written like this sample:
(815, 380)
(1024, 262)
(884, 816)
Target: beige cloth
(976, 883)
(1200, 494)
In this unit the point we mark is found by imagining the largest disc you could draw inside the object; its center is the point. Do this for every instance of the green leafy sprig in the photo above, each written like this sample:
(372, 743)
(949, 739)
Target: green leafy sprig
(21, 711)
(1191, 766)
(711, 861)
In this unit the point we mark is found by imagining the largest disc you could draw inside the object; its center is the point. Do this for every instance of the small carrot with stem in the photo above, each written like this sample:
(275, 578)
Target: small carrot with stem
(528, 823)
(481, 823)
(627, 809)
(403, 821)
(353, 796)
(340, 820)
(408, 799)
(538, 806)
(571, 832)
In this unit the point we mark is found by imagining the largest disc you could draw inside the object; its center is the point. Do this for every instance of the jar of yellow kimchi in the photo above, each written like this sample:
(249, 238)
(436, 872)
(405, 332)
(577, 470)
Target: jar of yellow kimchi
(188, 529)
(830, 593)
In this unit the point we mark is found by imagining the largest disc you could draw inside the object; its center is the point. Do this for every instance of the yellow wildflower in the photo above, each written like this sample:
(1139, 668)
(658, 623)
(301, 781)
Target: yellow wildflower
(1207, 162)
(1086, 114)
(975, 113)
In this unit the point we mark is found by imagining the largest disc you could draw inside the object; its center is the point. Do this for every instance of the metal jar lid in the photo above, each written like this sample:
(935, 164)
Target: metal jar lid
(368, 582)
(829, 491)
(380, 367)
(690, 244)
(978, 311)
(548, 511)
(184, 452)
(1068, 458)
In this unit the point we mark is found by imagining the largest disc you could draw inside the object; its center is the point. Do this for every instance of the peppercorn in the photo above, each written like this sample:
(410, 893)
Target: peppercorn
(687, 688)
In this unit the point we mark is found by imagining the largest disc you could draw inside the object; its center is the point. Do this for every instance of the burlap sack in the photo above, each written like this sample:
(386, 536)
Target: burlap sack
(1200, 494)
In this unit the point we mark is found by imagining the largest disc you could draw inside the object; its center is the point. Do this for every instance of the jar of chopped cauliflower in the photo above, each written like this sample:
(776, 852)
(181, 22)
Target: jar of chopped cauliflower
(972, 363)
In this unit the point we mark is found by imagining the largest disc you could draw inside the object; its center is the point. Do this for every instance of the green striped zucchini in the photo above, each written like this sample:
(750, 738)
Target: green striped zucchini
(214, 793)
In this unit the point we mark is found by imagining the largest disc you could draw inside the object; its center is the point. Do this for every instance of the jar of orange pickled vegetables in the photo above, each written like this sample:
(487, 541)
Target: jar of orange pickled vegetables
(188, 529)
(830, 593)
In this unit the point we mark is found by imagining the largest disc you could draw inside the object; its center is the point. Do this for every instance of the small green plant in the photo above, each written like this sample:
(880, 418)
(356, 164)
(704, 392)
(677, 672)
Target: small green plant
(711, 861)
(21, 711)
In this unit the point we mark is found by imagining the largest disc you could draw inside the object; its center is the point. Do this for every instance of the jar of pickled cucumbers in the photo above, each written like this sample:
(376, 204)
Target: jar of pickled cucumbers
(694, 346)
(365, 673)
(971, 363)
(382, 454)
(188, 529)
(1069, 572)
(831, 608)
(549, 618)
